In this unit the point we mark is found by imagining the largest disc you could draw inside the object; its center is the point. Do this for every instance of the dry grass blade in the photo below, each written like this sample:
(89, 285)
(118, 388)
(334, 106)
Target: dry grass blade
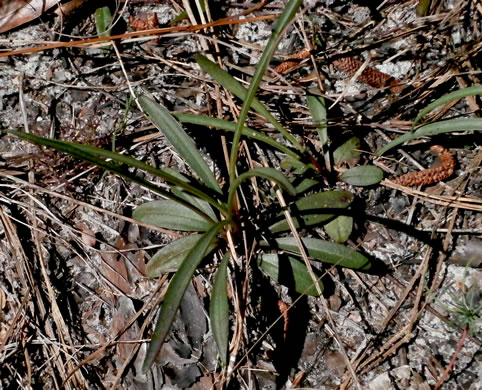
(466, 203)
(57, 355)
(87, 205)
(370, 359)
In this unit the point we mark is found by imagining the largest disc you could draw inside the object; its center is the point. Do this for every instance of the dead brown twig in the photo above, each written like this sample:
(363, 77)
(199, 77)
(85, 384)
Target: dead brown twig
(154, 32)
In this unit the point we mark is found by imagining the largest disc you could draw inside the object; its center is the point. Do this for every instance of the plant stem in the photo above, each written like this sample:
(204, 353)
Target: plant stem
(451, 365)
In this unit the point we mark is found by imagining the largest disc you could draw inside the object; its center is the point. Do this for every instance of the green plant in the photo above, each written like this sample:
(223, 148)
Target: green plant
(464, 312)
(441, 127)
(466, 307)
(199, 205)
(103, 21)
(122, 125)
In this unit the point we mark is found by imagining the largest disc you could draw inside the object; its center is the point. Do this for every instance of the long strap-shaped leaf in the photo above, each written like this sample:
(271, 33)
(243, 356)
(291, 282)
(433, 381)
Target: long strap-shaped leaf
(285, 18)
(222, 124)
(91, 154)
(328, 252)
(175, 292)
(317, 107)
(181, 142)
(448, 126)
(454, 95)
(219, 309)
(235, 87)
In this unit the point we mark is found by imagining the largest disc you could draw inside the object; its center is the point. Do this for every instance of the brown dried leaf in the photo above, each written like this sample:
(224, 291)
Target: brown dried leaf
(204, 383)
(87, 236)
(140, 262)
(67, 8)
(123, 315)
(114, 269)
(14, 13)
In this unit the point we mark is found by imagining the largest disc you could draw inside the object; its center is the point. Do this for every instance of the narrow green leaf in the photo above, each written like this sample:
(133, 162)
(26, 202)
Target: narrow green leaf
(309, 209)
(458, 94)
(91, 154)
(289, 272)
(178, 18)
(230, 126)
(219, 310)
(340, 228)
(103, 21)
(235, 87)
(195, 202)
(170, 257)
(283, 21)
(269, 174)
(363, 175)
(422, 8)
(229, 82)
(181, 142)
(175, 292)
(347, 151)
(317, 107)
(169, 214)
(448, 126)
(299, 167)
(327, 252)
(325, 200)
(266, 173)
(305, 185)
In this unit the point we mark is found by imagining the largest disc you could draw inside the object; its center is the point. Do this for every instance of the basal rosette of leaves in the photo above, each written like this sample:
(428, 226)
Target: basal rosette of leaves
(208, 213)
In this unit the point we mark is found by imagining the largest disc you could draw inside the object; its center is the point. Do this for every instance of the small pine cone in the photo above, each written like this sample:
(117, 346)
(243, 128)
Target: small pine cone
(370, 76)
(293, 61)
(285, 66)
(301, 55)
(430, 175)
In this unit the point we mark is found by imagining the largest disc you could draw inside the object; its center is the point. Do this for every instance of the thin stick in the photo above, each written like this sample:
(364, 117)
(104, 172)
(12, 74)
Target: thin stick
(451, 365)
